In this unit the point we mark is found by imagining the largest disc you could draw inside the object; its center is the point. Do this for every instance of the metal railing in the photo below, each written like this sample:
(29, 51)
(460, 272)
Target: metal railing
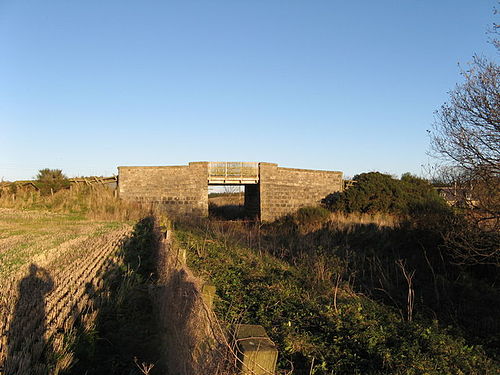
(224, 171)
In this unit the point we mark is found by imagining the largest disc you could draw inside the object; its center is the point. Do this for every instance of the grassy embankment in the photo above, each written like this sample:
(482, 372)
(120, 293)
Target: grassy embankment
(332, 293)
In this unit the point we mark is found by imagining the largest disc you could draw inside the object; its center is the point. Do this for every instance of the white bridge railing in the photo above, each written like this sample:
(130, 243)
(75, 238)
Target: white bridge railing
(223, 172)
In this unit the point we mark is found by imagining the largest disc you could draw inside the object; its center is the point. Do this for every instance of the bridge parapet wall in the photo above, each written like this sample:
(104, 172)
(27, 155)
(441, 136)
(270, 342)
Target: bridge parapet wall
(181, 190)
(285, 190)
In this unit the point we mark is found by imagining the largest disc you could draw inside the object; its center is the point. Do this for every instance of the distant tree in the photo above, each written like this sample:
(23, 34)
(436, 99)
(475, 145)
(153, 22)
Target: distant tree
(51, 180)
(46, 175)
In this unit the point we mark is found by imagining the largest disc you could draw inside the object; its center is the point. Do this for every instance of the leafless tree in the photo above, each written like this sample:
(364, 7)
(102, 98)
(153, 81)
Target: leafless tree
(466, 137)
(495, 31)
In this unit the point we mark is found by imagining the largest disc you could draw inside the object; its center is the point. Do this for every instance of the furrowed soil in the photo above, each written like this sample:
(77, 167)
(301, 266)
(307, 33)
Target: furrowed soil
(43, 238)
(63, 281)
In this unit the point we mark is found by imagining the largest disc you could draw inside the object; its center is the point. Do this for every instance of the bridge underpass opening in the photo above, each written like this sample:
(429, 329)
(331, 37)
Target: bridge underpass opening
(233, 190)
(234, 202)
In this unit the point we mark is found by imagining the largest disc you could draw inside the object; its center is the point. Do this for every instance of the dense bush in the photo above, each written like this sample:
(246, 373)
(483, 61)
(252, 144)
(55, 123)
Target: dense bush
(311, 215)
(378, 192)
(467, 235)
(50, 181)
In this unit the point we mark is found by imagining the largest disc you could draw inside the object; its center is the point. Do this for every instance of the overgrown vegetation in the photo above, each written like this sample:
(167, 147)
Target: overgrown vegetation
(335, 300)
(418, 203)
(371, 288)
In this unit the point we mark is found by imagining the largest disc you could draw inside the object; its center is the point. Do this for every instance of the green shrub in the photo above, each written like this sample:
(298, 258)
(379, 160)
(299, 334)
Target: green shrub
(50, 181)
(378, 192)
(311, 215)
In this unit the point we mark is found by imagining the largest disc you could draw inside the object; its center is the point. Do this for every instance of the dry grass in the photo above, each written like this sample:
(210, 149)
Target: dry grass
(250, 234)
(227, 199)
(94, 202)
(352, 219)
(58, 268)
(348, 221)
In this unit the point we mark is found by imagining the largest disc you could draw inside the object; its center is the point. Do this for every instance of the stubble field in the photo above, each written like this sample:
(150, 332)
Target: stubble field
(52, 266)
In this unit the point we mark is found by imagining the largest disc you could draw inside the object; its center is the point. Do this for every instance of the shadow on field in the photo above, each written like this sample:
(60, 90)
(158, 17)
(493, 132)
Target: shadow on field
(126, 336)
(27, 328)
(178, 301)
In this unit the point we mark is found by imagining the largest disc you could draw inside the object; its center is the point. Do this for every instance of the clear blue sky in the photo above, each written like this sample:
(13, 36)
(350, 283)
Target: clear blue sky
(86, 86)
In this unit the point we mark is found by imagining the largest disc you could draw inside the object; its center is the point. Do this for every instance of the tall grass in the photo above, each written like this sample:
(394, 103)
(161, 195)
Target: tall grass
(94, 202)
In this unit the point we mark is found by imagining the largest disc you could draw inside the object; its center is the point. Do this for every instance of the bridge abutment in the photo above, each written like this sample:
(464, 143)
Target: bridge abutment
(180, 190)
(285, 190)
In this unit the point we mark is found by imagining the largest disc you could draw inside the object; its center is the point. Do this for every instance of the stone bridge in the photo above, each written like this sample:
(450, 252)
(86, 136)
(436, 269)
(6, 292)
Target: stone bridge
(270, 191)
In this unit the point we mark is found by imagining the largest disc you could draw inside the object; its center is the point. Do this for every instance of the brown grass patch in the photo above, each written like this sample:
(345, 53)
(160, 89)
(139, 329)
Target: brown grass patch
(96, 202)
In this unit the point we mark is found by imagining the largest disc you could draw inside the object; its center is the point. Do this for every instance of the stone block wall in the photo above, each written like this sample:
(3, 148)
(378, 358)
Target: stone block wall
(181, 190)
(285, 190)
